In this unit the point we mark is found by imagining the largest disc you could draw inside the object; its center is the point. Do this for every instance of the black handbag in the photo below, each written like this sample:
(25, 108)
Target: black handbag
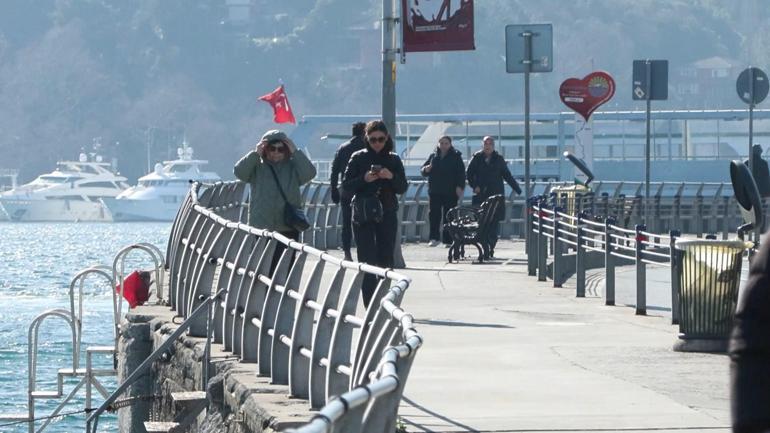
(366, 209)
(293, 217)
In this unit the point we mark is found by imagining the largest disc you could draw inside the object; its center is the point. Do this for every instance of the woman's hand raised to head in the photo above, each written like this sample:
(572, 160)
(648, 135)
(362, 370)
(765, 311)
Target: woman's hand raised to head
(261, 146)
(290, 144)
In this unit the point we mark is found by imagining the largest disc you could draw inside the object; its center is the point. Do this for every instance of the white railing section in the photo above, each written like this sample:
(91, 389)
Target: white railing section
(301, 328)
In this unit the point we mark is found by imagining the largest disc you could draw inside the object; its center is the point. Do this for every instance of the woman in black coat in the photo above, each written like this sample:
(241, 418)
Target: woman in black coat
(375, 171)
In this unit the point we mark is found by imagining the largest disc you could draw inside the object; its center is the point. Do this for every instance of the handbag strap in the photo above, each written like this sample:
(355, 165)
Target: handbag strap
(275, 176)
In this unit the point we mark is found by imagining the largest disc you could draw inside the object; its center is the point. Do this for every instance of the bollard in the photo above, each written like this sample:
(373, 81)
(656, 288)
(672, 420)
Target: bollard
(557, 250)
(641, 272)
(580, 268)
(609, 263)
(542, 245)
(529, 238)
(675, 257)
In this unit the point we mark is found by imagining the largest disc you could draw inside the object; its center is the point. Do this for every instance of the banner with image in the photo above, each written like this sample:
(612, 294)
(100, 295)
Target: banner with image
(437, 25)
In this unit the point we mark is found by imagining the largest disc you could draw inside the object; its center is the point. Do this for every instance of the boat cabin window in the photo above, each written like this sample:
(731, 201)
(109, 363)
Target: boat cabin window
(58, 179)
(178, 168)
(110, 185)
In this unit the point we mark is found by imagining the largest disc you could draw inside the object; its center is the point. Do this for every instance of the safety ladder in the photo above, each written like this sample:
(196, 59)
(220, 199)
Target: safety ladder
(88, 375)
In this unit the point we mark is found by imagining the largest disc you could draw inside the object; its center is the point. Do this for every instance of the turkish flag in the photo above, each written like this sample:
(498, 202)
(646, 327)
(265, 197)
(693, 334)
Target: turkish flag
(280, 103)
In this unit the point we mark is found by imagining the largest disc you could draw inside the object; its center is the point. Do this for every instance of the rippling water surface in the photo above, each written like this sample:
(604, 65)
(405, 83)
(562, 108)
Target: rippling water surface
(37, 262)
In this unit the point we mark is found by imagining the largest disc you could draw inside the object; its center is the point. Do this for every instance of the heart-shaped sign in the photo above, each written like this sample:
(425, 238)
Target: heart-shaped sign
(586, 95)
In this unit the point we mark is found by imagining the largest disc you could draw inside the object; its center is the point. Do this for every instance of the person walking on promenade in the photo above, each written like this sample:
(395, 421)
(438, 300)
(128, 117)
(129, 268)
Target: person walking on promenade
(445, 171)
(374, 176)
(749, 349)
(486, 173)
(274, 170)
(339, 195)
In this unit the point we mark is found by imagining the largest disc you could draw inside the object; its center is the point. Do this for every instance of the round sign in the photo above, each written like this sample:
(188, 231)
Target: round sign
(587, 94)
(752, 86)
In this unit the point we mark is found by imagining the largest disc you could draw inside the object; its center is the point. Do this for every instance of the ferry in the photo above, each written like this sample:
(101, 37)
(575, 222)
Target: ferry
(158, 195)
(70, 193)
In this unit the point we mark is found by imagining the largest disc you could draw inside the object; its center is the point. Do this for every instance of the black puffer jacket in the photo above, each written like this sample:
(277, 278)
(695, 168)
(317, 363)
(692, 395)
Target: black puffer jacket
(447, 174)
(489, 176)
(341, 158)
(361, 162)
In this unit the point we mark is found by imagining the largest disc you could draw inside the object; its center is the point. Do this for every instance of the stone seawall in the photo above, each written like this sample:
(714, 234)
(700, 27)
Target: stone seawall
(238, 400)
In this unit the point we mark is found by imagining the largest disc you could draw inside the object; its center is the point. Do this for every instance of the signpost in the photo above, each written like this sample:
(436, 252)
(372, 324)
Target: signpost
(528, 49)
(650, 82)
(752, 87)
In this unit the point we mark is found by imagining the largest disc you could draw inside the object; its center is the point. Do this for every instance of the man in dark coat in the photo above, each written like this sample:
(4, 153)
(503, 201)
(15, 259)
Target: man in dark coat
(750, 350)
(486, 173)
(445, 171)
(339, 195)
(760, 172)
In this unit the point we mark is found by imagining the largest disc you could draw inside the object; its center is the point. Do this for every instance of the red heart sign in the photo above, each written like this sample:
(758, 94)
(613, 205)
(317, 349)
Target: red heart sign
(586, 95)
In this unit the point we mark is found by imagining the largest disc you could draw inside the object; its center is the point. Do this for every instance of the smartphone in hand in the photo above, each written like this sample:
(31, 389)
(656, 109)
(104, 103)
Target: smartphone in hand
(375, 168)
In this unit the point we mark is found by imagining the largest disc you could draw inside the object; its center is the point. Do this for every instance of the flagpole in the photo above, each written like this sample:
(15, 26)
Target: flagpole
(389, 97)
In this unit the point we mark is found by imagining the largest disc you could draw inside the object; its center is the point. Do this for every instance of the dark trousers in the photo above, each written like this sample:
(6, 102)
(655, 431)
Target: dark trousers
(279, 247)
(439, 206)
(347, 228)
(374, 245)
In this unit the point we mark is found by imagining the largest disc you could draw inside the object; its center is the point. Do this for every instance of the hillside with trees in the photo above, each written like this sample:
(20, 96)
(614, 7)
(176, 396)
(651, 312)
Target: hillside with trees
(150, 72)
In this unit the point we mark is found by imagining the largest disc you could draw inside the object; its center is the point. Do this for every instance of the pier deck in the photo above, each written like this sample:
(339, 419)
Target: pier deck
(506, 353)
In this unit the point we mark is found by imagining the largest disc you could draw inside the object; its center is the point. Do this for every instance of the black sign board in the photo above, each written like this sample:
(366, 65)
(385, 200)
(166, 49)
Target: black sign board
(650, 79)
(752, 86)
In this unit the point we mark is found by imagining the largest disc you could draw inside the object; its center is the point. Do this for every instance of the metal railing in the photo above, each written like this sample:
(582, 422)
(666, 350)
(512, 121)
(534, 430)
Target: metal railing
(299, 327)
(555, 233)
(698, 207)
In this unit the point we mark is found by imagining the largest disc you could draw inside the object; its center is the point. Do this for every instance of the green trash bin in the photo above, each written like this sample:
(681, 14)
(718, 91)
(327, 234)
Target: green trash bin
(709, 278)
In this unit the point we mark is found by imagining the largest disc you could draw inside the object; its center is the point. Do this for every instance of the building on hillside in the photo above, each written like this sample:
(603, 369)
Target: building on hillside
(707, 83)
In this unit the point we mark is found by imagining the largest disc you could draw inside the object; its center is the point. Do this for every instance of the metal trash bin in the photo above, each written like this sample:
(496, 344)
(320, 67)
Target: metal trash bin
(566, 196)
(709, 273)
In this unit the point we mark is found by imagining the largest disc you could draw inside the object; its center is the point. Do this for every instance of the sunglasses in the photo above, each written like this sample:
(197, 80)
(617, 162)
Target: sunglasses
(381, 139)
(275, 149)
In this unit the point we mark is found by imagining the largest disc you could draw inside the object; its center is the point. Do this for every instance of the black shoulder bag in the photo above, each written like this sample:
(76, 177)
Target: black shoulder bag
(366, 209)
(292, 216)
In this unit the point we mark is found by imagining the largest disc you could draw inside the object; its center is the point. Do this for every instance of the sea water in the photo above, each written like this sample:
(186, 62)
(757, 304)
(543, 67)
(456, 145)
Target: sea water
(37, 263)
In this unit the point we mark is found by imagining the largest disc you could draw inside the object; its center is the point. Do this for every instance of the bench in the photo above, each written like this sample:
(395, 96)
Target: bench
(470, 225)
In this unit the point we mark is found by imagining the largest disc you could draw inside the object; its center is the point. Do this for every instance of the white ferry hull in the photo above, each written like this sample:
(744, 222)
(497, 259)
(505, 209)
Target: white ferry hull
(52, 210)
(140, 210)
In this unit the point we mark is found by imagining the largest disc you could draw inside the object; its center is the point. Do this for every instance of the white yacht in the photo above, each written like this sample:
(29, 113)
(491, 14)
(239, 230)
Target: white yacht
(159, 194)
(72, 192)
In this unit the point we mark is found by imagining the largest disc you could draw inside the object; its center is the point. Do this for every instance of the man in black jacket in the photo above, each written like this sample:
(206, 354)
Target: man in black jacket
(486, 173)
(339, 195)
(445, 171)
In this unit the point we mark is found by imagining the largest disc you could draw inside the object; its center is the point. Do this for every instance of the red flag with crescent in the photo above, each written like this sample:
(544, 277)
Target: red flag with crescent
(280, 103)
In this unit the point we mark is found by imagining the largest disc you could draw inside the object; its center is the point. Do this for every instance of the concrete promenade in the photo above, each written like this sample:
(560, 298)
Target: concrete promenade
(506, 353)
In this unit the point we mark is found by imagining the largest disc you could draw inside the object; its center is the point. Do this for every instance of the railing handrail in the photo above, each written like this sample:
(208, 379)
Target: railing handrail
(147, 363)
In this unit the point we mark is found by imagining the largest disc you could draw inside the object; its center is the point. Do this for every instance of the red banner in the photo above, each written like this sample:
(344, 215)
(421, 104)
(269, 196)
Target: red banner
(280, 102)
(433, 25)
